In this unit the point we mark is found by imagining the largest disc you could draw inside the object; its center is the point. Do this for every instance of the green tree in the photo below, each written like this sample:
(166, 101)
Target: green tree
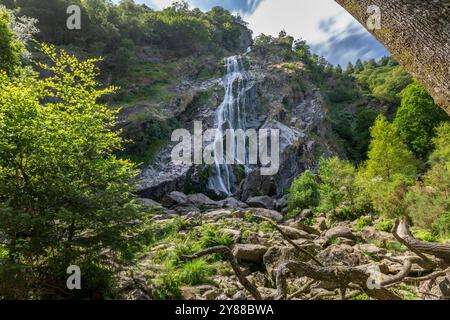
(429, 200)
(389, 170)
(388, 155)
(304, 193)
(10, 47)
(65, 197)
(417, 119)
(359, 67)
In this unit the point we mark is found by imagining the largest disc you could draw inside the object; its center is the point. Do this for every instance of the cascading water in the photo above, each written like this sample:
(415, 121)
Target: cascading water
(231, 114)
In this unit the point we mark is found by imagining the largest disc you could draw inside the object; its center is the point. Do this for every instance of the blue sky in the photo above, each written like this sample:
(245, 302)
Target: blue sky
(329, 29)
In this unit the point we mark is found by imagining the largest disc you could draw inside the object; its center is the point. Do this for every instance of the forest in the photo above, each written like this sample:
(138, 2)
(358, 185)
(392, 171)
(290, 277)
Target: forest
(86, 118)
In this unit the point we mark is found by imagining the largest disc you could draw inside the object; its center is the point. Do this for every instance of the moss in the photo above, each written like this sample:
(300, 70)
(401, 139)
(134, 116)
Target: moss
(363, 222)
(385, 225)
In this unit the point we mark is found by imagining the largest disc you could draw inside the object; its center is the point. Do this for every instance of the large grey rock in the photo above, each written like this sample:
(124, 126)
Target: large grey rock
(339, 232)
(232, 203)
(370, 234)
(256, 184)
(250, 252)
(175, 198)
(261, 202)
(274, 215)
(341, 254)
(203, 202)
(294, 233)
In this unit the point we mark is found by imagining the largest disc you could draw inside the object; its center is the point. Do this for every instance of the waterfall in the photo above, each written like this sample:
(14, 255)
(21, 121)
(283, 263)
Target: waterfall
(231, 114)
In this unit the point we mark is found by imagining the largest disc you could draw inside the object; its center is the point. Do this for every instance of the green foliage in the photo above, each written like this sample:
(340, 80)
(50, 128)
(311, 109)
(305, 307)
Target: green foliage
(304, 193)
(196, 272)
(63, 190)
(10, 47)
(212, 237)
(363, 222)
(384, 82)
(428, 201)
(424, 235)
(338, 186)
(388, 155)
(389, 170)
(417, 119)
(385, 225)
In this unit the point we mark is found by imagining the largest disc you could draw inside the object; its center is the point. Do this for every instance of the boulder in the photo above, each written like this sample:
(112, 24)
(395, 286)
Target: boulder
(250, 252)
(294, 233)
(339, 232)
(184, 210)
(321, 223)
(370, 234)
(203, 202)
(232, 203)
(174, 198)
(218, 214)
(271, 214)
(306, 213)
(255, 184)
(234, 234)
(261, 202)
(341, 254)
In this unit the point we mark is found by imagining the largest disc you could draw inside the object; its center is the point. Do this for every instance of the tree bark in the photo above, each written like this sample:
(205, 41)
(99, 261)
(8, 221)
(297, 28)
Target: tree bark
(417, 33)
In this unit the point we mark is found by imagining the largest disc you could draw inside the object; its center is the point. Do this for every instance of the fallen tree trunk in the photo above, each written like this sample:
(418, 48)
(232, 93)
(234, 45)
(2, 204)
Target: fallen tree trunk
(404, 236)
(416, 33)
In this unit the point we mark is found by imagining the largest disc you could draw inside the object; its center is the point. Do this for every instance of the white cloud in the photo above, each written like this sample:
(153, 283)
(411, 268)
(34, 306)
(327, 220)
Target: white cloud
(300, 18)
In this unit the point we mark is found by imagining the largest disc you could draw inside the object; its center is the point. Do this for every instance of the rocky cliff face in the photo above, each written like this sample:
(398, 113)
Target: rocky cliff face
(283, 96)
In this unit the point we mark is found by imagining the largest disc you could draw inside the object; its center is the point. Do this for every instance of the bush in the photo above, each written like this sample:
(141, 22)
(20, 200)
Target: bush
(385, 225)
(65, 197)
(304, 193)
(363, 222)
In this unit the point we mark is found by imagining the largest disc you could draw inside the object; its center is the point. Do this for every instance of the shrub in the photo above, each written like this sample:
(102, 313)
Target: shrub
(304, 193)
(385, 225)
(363, 222)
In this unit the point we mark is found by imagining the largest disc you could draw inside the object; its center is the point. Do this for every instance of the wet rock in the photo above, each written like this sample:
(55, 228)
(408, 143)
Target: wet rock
(261, 202)
(184, 210)
(250, 252)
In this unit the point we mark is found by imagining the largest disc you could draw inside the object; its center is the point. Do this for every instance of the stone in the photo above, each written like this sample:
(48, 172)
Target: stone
(184, 210)
(202, 201)
(232, 203)
(217, 214)
(370, 234)
(250, 252)
(255, 184)
(341, 254)
(294, 233)
(339, 232)
(321, 223)
(271, 214)
(261, 202)
(306, 213)
(234, 234)
(174, 198)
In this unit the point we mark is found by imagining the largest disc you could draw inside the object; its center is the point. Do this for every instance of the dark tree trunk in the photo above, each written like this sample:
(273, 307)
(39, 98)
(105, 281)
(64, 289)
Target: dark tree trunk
(417, 33)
